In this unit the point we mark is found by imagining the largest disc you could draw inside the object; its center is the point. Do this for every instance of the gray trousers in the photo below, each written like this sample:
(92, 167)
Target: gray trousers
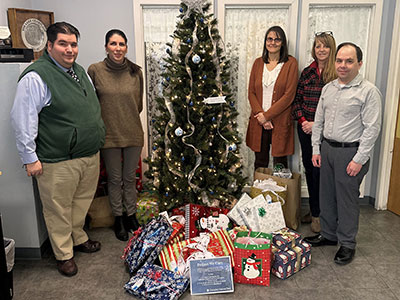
(339, 194)
(122, 178)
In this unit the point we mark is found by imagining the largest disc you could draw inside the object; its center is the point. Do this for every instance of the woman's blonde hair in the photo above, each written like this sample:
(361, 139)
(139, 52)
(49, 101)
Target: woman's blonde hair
(327, 39)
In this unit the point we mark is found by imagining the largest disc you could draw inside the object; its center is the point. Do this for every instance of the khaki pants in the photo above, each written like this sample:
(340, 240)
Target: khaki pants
(66, 190)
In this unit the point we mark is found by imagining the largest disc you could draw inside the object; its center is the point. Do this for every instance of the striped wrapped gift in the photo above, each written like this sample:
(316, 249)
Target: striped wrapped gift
(220, 245)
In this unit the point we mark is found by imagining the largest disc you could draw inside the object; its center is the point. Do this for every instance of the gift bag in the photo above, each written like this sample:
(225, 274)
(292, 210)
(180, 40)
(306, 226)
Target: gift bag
(291, 208)
(269, 188)
(154, 282)
(100, 213)
(234, 212)
(252, 262)
(148, 243)
(269, 217)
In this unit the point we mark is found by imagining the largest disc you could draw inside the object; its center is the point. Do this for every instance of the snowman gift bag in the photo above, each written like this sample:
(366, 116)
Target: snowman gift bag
(252, 255)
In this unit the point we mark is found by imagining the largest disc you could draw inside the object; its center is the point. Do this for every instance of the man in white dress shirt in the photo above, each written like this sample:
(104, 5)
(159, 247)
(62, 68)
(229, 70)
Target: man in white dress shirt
(347, 124)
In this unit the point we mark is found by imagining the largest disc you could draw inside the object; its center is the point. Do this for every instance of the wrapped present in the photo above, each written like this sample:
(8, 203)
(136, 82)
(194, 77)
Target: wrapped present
(178, 224)
(218, 244)
(200, 218)
(252, 261)
(283, 262)
(288, 262)
(146, 207)
(154, 282)
(148, 243)
(285, 238)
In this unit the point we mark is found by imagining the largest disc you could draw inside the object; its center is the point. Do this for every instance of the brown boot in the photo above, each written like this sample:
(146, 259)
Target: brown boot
(315, 225)
(306, 218)
(67, 267)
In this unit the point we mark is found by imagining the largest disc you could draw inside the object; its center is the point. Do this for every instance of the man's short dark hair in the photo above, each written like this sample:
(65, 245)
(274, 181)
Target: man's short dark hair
(61, 27)
(358, 49)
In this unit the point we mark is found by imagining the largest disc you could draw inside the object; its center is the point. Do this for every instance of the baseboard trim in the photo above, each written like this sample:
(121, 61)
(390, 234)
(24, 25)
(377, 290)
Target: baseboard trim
(27, 253)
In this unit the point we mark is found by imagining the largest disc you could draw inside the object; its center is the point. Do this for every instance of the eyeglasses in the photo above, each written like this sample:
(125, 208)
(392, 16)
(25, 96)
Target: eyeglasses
(276, 40)
(324, 33)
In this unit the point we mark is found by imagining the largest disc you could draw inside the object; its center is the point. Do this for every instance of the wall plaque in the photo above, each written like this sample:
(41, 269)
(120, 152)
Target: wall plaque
(28, 28)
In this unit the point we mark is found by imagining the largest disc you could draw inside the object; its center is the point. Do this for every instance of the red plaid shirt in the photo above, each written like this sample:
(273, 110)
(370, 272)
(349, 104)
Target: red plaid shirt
(308, 92)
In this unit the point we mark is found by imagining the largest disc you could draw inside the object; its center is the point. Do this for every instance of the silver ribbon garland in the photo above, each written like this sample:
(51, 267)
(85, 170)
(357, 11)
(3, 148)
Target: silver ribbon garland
(167, 141)
(219, 86)
(192, 127)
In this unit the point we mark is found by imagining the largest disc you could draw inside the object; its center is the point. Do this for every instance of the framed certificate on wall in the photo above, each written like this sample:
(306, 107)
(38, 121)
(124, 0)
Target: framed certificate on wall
(28, 28)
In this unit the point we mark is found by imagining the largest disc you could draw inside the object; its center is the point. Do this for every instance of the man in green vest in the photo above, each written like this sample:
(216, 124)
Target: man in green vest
(59, 131)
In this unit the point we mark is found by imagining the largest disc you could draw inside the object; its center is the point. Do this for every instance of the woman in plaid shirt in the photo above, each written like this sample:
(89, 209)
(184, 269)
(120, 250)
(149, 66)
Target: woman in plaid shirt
(309, 87)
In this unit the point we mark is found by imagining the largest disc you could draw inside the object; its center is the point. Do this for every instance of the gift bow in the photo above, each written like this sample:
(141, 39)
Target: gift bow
(156, 276)
(261, 212)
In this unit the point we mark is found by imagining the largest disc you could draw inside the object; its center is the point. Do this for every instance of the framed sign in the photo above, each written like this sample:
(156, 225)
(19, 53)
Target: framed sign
(28, 28)
(211, 276)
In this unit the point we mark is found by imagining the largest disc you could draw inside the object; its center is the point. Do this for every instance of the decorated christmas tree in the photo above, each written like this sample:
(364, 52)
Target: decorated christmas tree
(195, 154)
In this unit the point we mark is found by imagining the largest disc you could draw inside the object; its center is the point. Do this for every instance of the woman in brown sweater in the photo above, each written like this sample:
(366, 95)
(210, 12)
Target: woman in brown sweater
(119, 87)
(272, 87)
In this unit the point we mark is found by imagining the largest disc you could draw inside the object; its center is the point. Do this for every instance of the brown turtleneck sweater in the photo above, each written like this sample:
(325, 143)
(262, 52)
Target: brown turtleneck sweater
(119, 88)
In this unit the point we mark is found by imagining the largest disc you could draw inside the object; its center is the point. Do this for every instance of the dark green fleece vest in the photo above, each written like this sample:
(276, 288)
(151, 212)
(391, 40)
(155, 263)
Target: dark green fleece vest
(71, 126)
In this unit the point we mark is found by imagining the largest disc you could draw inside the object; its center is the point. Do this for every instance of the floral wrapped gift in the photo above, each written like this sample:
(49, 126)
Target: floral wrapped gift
(216, 244)
(154, 282)
(146, 207)
(148, 243)
(285, 238)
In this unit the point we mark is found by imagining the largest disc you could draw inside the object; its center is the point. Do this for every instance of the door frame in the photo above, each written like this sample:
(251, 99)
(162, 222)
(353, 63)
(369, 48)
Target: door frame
(389, 117)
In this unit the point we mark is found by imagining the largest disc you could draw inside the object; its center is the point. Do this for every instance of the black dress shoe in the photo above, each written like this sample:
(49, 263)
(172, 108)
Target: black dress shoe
(344, 255)
(319, 240)
(119, 229)
(133, 223)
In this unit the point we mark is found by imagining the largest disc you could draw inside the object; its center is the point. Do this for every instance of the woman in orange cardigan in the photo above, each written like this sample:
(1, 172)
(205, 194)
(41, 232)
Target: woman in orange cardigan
(272, 88)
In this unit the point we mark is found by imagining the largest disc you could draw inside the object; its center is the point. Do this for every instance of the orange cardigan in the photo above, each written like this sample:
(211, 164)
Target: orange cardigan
(280, 111)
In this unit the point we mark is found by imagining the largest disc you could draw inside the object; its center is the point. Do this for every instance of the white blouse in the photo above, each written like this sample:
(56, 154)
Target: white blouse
(269, 79)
